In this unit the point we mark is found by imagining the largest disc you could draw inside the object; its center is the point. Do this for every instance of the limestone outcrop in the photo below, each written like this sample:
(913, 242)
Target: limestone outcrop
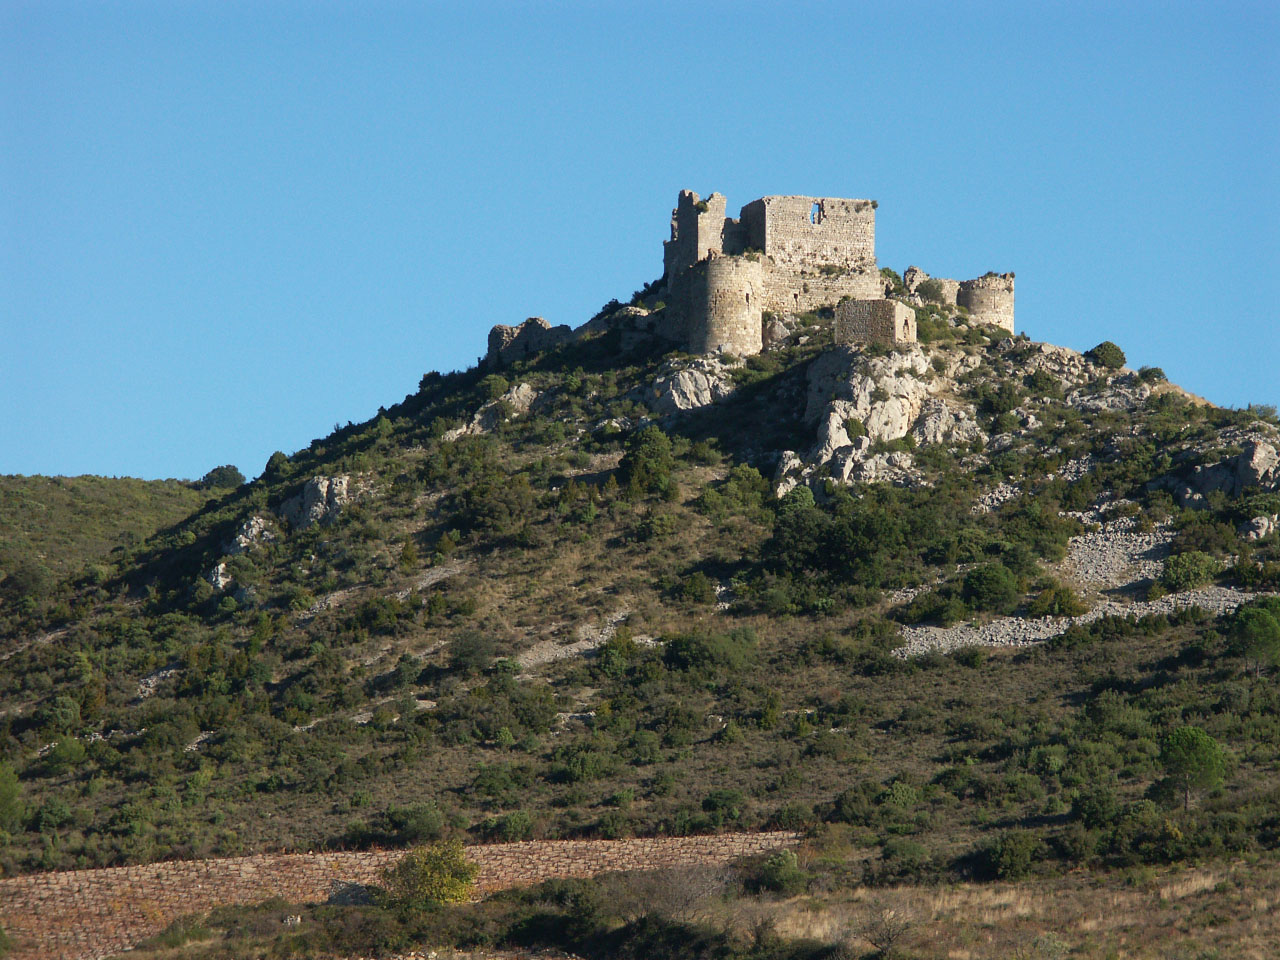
(1257, 466)
(688, 385)
(514, 403)
(507, 344)
(319, 501)
(859, 403)
(1260, 527)
(253, 532)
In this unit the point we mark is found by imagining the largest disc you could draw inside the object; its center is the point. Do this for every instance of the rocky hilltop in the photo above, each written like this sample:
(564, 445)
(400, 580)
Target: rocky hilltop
(961, 590)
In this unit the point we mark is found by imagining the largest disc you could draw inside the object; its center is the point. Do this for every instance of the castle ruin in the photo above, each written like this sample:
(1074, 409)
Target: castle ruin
(780, 256)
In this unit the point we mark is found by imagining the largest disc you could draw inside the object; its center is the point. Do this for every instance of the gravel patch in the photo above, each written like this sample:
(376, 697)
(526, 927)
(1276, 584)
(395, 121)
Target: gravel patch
(147, 685)
(1117, 555)
(588, 638)
(1020, 632)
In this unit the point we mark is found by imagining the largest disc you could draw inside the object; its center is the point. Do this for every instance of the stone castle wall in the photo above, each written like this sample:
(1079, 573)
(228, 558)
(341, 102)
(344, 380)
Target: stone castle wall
(867, 321)
(697, 231)
(800, 232)
(721, 303)
(801, 292)
(90, 914)
(989, 299)
(914, 276)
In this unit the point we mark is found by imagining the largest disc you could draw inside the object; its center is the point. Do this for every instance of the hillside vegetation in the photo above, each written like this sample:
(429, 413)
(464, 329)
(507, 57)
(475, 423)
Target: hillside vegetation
(54, 526)
(1003, 622)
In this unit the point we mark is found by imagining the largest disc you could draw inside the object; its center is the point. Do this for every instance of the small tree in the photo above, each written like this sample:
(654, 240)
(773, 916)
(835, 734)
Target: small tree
(1107, 354)
(1192, 760)
(992, 586)
(882, 927)
(931, 289)
(1257, 637)
(228, 475)
(427, 877)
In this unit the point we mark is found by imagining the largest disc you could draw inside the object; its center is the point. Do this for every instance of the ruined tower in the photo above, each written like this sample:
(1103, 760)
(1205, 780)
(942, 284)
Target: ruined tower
(989, 299)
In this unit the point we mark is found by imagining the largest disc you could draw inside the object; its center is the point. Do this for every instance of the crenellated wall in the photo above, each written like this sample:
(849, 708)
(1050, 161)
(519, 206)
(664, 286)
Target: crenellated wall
(90, 914)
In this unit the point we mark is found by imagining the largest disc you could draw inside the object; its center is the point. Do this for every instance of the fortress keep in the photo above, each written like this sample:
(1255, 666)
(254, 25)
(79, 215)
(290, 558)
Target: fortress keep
(780, 256)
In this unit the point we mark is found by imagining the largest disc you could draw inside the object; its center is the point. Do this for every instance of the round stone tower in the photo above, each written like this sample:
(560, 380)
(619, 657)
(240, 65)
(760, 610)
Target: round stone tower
(723, 306)
(989, 299)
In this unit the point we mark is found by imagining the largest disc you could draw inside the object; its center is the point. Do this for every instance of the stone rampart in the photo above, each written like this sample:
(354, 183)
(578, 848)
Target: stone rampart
(90, 914)
(989, 299)
(798, 232)
(785, 292)
(914, 277)
(721, 303)
(867, 321)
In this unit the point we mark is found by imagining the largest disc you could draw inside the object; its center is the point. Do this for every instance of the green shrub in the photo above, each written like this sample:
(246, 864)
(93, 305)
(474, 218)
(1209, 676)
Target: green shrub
(509, 828)
(1183, 571)
(12, 809)
(781, 873)
(1057, 600)
(494, 386)
(1107, 354)
(855, 428)
(992, 587)
(1013, 854)
(697, 588)
(931, 289)
(647, 464)
(428, 877)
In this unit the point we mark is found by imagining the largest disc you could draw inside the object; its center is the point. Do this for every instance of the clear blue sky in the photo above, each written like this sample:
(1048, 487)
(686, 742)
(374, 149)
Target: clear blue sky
(226, 226)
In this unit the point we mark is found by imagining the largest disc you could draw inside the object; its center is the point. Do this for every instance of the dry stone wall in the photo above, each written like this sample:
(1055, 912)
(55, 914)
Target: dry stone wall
(90, 914)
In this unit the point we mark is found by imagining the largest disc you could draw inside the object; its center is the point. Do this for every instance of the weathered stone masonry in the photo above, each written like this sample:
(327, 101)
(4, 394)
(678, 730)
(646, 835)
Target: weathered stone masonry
(89, 914)
(878, 321)
(782, 255)
(989, 299)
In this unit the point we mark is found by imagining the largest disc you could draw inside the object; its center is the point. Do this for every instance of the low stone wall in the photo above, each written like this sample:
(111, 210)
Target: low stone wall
(89, 914)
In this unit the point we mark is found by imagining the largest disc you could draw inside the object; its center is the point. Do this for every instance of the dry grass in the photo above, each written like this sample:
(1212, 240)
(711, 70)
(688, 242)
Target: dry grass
(1190, 914)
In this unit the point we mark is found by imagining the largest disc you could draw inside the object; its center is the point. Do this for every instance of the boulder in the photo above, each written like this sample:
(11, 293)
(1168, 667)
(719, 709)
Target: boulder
(218, 577)
(775, 334)
(1260, 527)
(1256, 466)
